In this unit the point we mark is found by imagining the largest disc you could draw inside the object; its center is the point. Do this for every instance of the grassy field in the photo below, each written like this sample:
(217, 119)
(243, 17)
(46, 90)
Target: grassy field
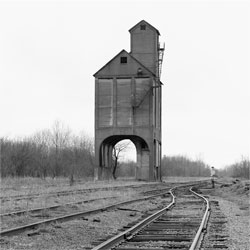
(29, 185)
(43, 188)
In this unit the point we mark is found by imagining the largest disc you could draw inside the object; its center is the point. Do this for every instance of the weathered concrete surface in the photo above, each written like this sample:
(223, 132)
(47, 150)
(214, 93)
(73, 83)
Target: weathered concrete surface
(128, 105)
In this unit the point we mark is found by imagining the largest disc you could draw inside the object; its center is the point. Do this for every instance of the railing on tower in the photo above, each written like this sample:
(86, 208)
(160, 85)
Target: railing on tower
(161, 49)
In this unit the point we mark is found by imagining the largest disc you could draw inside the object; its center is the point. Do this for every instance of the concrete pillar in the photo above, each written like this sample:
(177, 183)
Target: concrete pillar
(138, 160)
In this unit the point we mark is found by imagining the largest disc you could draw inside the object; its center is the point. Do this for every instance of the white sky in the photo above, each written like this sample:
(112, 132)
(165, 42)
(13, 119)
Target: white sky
(49, 51)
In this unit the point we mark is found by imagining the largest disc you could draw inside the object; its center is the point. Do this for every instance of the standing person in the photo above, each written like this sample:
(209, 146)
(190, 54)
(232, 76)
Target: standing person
(212, 176)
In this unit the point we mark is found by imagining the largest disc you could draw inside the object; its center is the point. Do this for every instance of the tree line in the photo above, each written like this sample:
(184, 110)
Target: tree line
(240, 169)
(58, 152)
(183, 166)
(50, 152)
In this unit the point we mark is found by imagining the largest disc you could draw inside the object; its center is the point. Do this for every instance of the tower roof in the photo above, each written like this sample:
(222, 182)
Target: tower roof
(148, 24)
(125, 53)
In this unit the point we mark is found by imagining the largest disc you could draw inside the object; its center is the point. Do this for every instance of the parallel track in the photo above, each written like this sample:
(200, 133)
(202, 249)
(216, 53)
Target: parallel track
(41, 209)
(71, 216)
(69, 192)
(81, 191)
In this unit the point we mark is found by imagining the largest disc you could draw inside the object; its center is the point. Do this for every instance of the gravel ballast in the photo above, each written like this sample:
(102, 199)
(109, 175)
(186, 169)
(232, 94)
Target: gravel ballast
(234, 203)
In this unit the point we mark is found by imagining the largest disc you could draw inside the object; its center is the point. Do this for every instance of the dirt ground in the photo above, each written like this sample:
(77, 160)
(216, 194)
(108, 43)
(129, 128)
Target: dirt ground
(234, 203)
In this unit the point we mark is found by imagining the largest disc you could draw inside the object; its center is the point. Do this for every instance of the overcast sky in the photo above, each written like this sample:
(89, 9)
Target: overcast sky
(49, 51)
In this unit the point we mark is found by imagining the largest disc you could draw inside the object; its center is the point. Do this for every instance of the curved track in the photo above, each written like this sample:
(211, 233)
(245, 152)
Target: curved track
(180, 228)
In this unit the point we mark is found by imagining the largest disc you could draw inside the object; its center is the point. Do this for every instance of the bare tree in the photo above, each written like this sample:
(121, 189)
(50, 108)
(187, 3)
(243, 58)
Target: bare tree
(6, 164)
(118, 148)
(21, 156)
(59, 138)
(87, 144)
(80, 153)
(42, 141)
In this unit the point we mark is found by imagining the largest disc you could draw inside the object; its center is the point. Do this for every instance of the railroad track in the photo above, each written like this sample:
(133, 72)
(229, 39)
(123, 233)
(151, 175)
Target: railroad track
(69, 192)
(217, 235)
(53, 207)
(41, 209)
(82, 191)
(179, 225)
(69, 216)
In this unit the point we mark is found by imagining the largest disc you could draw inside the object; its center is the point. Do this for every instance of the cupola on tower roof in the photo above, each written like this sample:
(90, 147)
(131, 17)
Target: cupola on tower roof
(144, 42)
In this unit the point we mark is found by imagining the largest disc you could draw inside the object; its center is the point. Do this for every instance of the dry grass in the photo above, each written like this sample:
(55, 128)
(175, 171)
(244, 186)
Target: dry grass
(177, 179)
(11, 187)
(26, 186)
(45, 200)
(29, 185)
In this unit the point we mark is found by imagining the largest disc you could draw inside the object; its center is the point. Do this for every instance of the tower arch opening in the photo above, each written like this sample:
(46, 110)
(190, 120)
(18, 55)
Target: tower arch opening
(107, 159)
(124, 159)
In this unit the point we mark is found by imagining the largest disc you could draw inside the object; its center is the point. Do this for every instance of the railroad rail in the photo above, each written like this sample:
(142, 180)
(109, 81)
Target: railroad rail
(16, 230)
(84, 190)
(40, 209)
(182, 228)
(69, 192)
